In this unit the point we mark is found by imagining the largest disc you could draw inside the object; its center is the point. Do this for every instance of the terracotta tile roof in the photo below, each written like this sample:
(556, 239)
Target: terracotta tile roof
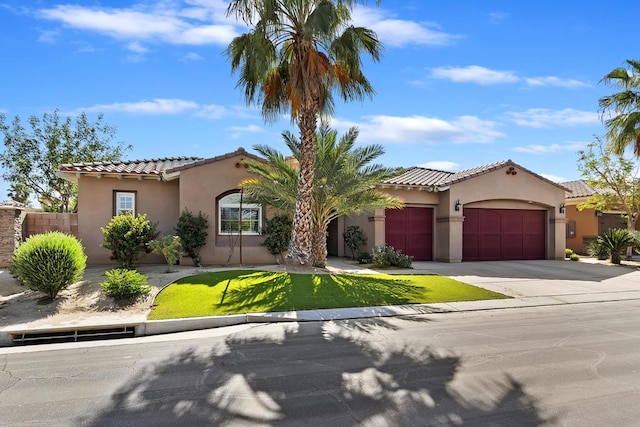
(239, 152)
(578, 188)
(417, 176)
(440, 180)
(130, 167)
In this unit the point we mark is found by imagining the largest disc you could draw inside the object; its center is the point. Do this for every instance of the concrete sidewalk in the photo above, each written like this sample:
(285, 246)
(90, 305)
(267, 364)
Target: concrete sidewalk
(530, 283)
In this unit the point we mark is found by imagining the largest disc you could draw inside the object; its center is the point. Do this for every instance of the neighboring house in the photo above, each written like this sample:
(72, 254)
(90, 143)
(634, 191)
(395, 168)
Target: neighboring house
(500, 211)
(584, 225)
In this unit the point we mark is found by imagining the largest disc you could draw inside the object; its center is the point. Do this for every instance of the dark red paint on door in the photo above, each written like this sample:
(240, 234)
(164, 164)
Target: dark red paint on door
(411, 231)
(503, 234)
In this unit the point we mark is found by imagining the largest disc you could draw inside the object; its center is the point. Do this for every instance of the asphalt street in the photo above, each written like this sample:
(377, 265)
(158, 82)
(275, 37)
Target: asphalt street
(570, 365)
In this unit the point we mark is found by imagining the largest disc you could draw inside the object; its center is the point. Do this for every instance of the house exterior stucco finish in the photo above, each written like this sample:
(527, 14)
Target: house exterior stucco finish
(155, 198)
(200, 188)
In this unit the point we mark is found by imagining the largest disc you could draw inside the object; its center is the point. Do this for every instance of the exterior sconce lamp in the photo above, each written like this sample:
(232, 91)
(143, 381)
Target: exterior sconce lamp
(561, 208)
(598, 213)
(456, 207)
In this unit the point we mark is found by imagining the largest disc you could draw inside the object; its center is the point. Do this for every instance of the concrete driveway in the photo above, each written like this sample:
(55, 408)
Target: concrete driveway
(539, 278)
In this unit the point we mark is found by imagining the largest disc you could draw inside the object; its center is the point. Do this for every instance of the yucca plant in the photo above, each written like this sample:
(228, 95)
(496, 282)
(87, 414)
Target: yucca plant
(597, 249)
(616, 240)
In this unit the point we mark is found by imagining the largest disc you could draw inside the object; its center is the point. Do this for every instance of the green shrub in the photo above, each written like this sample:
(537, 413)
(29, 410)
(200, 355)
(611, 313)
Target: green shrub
(128, 238)
(387, 256)
(169, 247)
(125, 284)
(568, 252)
(574, 257)
(354, 238)
(192, 231)
(598, 250)
(278, 232)
(616, 240)
(365, 257)
(49, 262)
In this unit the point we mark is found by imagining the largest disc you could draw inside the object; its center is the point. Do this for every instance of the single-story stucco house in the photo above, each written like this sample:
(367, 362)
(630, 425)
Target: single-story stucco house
(584, 225)
(499, 211)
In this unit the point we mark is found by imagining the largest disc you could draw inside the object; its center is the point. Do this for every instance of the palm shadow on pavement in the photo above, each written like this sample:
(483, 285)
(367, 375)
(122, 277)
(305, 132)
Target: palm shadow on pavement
(332, 373)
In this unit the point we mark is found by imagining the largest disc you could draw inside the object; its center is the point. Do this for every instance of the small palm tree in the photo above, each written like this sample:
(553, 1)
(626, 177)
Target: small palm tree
(623, 128)
(616, 240)
(296, 53)
(344, 182)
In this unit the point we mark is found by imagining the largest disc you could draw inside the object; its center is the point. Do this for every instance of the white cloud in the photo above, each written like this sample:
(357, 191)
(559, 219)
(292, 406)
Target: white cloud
(421, 129)
(496, 17)
(202, 24)
(399, 32)
(136, 47)
(443, 165)
(48, 36)
(555, 81)
(474, 74)
(546, 118)
(212, 112)
(554, 178)
(237, 131)
(157, 106)
(191, 56)
(549, 149)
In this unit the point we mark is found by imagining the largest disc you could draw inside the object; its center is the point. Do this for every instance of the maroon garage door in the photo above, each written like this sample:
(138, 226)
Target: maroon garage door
(503, 234)
(411, 231)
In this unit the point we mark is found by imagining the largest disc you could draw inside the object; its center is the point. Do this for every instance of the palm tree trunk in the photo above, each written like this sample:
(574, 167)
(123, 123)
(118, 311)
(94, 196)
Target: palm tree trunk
(319, 248)
(302, 233)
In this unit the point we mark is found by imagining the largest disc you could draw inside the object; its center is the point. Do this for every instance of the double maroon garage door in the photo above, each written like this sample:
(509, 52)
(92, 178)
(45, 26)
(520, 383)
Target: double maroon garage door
(503, 234)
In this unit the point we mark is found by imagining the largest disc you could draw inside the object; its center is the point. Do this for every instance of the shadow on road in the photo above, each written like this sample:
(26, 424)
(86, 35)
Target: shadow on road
(335, 373)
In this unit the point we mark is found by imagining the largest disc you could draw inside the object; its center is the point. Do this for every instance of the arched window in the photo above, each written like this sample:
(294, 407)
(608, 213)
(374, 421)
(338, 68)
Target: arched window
(229, 216)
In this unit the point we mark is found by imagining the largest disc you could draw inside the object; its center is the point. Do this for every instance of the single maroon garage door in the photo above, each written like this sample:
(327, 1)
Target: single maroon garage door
(411, 231)
(503, 234)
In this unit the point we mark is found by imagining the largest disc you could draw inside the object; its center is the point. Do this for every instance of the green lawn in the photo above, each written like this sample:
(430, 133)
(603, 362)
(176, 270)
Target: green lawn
(250, 291)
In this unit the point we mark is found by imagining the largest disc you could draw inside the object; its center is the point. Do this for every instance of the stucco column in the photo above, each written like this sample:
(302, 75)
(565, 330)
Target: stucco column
(557, 237)
(378, 226)
(449, 239)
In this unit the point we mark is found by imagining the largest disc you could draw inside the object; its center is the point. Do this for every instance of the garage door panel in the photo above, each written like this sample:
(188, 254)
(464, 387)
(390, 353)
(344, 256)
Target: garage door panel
(503, 234)
(394, 226)
(411, 231)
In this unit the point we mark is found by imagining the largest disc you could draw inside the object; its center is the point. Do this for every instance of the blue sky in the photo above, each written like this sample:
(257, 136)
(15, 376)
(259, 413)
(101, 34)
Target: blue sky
(459, 84)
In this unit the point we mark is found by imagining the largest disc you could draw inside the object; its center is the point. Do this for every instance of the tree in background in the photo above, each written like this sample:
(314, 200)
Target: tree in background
(294, 55)
(344, 182)
(614, 179)
(31, 157)
(623, 124)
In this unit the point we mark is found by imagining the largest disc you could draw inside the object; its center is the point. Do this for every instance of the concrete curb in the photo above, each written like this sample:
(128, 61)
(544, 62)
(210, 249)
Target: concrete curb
(158, 327)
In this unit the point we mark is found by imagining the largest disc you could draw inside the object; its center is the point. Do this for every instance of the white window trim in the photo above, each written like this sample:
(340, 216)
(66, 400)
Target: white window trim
(119, 196)
(222, 204)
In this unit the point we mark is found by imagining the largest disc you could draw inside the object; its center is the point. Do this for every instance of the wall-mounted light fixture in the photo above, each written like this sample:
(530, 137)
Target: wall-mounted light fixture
(561, 208)
(457, 206)
(598, 213)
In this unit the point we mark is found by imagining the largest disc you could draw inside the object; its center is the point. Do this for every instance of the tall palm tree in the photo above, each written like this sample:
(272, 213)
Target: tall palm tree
(296, 53)
(623, 126)
(344, 182)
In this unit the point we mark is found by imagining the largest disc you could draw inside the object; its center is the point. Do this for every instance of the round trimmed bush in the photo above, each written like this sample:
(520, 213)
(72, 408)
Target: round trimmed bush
(49, 262)
(125, 284)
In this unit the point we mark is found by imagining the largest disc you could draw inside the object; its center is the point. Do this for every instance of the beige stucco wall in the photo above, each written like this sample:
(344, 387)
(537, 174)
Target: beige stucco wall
(199, 188)
(157, 199)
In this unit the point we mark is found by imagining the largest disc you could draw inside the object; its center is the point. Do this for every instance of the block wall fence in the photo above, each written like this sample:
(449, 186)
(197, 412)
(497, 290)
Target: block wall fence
(16, 224)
